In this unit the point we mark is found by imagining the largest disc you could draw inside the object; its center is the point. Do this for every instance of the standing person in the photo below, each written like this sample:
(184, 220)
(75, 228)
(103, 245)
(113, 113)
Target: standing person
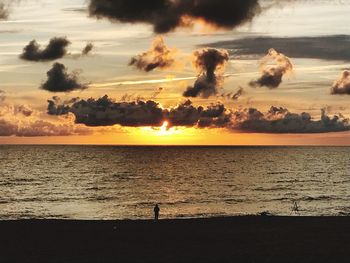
(156, 210)
(295, 208)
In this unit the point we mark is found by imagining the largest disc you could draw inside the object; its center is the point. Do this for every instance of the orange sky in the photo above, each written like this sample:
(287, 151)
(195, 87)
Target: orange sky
(147, 136)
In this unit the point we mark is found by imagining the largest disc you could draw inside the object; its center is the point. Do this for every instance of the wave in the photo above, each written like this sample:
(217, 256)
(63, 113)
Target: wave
(275, 188)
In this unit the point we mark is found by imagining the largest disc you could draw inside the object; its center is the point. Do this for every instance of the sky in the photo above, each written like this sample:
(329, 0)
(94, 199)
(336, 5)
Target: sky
(168, 72)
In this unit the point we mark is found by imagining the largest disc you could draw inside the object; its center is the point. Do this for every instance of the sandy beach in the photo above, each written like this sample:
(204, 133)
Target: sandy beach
(234, 239)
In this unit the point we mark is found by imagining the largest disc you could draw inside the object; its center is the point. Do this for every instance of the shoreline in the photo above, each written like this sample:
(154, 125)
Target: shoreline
(216, 239)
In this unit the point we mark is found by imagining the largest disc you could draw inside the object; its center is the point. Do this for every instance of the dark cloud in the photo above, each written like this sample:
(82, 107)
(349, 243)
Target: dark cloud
(280, 120)
(5, 8)
(4, 12)
(233, 95)
(87, 49)
(159, 56)
(334, 47)
(54, 50)
(167, 15)
(272, 74)
(21, 109)
(342, 85)
(187, 115)
(210, 64)
(58, 80)
(106, 112)
(184, 115)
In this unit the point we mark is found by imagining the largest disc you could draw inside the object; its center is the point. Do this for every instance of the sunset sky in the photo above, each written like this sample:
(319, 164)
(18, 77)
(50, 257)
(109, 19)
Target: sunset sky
(227, 62)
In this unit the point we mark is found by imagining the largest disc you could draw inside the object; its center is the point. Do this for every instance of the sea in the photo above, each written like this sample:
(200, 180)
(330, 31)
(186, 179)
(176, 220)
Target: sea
(125, 182)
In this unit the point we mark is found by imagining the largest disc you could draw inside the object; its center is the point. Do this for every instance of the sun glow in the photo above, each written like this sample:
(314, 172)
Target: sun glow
(163, 130)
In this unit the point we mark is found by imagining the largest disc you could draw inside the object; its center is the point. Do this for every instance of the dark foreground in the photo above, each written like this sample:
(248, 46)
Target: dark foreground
(237, 239)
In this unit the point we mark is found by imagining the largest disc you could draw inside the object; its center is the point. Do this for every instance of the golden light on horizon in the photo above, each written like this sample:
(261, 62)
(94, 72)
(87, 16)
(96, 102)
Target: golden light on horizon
(163, 130)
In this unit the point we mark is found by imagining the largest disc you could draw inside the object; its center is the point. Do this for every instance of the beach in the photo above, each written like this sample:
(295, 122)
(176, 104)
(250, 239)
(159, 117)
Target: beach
(228, 239)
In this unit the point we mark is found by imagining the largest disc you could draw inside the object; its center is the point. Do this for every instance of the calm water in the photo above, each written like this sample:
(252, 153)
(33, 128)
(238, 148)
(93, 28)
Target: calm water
(88, 182)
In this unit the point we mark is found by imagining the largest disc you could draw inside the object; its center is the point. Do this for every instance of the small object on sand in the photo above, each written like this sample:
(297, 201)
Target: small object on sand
(265, 213)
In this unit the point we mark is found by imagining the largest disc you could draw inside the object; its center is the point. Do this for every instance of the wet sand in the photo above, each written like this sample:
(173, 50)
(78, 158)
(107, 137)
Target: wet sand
(234, 239)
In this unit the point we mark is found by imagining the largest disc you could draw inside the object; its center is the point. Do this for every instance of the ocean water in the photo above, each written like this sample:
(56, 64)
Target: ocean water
(107, 182)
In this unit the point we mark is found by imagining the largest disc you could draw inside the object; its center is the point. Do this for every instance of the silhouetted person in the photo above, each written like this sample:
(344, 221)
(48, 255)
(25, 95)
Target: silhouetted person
(156, 210)
(295, 208)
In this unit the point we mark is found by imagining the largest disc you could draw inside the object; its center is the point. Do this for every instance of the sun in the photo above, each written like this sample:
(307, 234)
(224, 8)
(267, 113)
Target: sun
(165, 130)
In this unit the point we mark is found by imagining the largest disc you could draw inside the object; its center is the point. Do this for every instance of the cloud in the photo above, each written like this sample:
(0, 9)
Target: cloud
(58, 80)
(272, 74)
(280, 120)
(233, 95)
(87, 49)
(334, 47)
(342, 85)
(4, 13)
(40, 128)
(168, 15)
(107, 112)
(187, 115)
(2, 96)
(5, 8)
(16, 111)
(54, 50)
(210, 63)
(159, 56)
(21, 121)
(157, 93)
(21, 109)
(7, 128)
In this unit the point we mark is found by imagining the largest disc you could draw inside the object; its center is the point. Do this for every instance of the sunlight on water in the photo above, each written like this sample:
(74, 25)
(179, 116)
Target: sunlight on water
(83, 182)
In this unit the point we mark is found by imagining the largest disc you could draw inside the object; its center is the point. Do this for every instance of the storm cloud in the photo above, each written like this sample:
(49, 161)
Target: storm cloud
(272, 75)
(168, 15)
(54, 50)
(159, 56)
(59, 80)
(342, 85)
(210, 63)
